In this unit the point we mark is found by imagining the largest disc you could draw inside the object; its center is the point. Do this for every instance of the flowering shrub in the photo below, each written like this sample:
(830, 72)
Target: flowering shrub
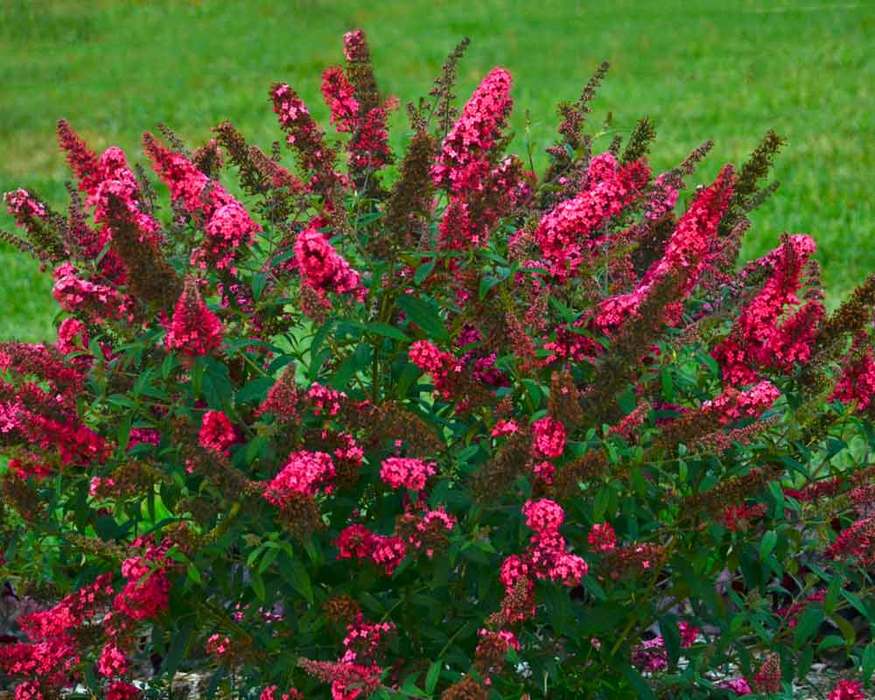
(430, 425)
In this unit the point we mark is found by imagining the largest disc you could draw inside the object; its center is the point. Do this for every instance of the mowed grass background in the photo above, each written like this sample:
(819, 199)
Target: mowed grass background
(720, 70)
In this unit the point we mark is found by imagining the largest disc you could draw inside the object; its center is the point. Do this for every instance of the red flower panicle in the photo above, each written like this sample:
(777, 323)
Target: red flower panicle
(306, 138)
(112, 662)
(442, 366)
(339, 95)
(117, 181)
(602, 537)
(305, 472)
(405, 472)
(543, 516)
(24, 206)
(463, 161)
(856, 541)
(227, 226)
(146, 592)
(82, 160)
(546, 558)
(768, 676)
(356, 674)
(217, 432)
(568, 231)
(688, 252)
(548, 437)
(282, 398)
(325, 401)
(734, 405)
(663, 196)
(322, 268)
(122, 690)
(51, 652)
(72, 336)
(856, 383)
(503, 427)
(194, 329)
(270, 693)
(764, 336)
(100, 302)
(218, 645)
(847, 690)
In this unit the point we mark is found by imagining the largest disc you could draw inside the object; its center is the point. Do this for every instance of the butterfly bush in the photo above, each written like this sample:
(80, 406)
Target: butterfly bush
(402, 418)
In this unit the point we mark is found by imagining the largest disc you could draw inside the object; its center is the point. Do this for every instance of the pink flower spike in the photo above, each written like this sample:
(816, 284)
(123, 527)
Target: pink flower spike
(322, 268)
(339, 95)
(847, 690)
(543, 515)
(305, 472)
(194, 329)
(216, 433)
(602, 537)
(549, 437)
(463, 161)
(401, 472)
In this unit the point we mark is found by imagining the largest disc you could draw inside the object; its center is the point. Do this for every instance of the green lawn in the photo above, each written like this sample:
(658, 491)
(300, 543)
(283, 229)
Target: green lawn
(699, 69)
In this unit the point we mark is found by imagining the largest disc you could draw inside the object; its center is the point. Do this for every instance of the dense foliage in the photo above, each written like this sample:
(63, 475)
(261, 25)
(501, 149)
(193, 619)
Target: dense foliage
(431, 425)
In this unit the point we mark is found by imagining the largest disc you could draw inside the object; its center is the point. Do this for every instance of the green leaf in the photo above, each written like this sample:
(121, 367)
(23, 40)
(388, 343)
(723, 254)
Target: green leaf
(217, 387)
(168, 365)
(267, 559)
(192, 573)
(830, 642)
(601, 620)
(124, 431)
(297, 575)
(122, 401)
(425, 316)
(356, 362)
(854, 600)
(807, 624)
(255, 447)
(832, 595)
(778, 499)
(487, 282)
(868, 662)
(319, 339)
(107, 528)
(846, 628)
(636, 680)
(803, 665)
(566, 312)
(387, 331)
(423, 271)
(254, 554)
(280, 362)
(627, 401)
(258, 586)
(259, 280)
(197, 376)
(171, 660)
(594, 588)
(432, 677)
(667, 385)
(671, 636)
(791, 463)
(409, 689)
(254, 390)
(767, 544)
(600, 503)
(533, 389)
